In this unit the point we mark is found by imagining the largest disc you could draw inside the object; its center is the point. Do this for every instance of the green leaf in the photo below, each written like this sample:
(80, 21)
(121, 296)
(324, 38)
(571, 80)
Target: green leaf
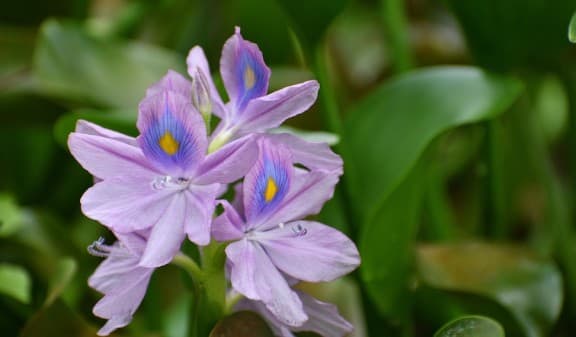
(15, 282)
(383, 138)
(471, 326)
(310, 19)
(387, 132)
(528, 286)
(10, 215)
(58, 320)
(242, 324)
(572, 29)
(65, 270)
(70, 63)
(123, 121)
(387, 246)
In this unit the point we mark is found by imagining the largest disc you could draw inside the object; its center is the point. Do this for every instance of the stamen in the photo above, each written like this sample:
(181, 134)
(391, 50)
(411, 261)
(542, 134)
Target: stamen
(164, 182)
(98, 248)
(299, 230)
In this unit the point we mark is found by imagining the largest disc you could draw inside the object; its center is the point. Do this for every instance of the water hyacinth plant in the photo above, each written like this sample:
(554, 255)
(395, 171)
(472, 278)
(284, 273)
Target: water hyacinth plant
(157, 189)
(287, 168)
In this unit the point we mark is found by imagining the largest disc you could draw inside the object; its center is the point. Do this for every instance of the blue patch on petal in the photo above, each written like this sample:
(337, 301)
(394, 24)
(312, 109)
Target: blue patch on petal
(168, 142)
(272, 185)
(252, 78)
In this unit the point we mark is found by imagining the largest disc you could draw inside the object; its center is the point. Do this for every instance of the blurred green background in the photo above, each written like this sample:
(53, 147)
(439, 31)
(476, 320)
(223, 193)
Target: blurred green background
(456, 121)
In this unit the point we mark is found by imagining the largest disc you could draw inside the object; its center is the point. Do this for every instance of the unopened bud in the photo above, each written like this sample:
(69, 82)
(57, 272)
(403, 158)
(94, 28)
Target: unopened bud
(201, 95)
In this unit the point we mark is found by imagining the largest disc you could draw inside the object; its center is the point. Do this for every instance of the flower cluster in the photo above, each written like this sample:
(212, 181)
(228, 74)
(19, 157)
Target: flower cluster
(162, 187)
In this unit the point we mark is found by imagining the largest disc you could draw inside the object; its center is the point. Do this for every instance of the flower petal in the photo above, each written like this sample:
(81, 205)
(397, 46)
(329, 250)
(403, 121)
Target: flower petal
(200, 205)
(123, 283)
(270, 111)
(308, 193)
(198, 66)
(315, 156)
(167, 234)
(310, 251)
(268, 181)
(106, 157)
(126, 204)
(173, 134)
(229, 225)
(89, 128)
(324, 318)
(277, 327)
(243, 71)
(253, 274)
(228, 164)
(173, 82)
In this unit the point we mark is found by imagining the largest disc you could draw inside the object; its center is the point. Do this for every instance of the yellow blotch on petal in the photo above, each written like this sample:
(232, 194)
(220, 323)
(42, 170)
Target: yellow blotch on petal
(168, 143)
(271, 190)
(249, 78)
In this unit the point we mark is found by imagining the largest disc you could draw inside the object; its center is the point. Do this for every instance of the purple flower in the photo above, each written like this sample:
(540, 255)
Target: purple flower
(163, 180)
(271, 242)
(122, 281)
(323, 318)
(245, 76)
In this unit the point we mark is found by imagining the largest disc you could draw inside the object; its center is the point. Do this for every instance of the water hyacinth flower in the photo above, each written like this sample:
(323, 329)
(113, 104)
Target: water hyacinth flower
(245, 77)
(323, 318)
(271, 242)
(163, 180)
(119, 277)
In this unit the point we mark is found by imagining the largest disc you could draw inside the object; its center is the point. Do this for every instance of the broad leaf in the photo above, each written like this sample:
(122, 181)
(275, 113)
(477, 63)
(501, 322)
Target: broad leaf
(72, 64)
(471, 326)
(15, 282)
(528, 286)
(10, 215)
(388, 131)
(382, 141)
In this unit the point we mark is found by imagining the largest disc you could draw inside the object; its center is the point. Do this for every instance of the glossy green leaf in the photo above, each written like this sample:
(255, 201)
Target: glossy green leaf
(242, 324)
(310, 19)
(70, 63)
(123, 121)
(528, 286)
(10, 215)
(382, 141)
(15, 282)
(572, 29)
(388, 131)
(387, 248)
(471, 326)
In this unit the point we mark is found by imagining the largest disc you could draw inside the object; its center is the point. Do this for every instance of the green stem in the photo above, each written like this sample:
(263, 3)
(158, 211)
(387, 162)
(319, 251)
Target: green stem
(558, 211)
(441, 225)
(197, 276)
(327, 94)
(569, 81)
(394, 18)
(189, 265)
(496, 221)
